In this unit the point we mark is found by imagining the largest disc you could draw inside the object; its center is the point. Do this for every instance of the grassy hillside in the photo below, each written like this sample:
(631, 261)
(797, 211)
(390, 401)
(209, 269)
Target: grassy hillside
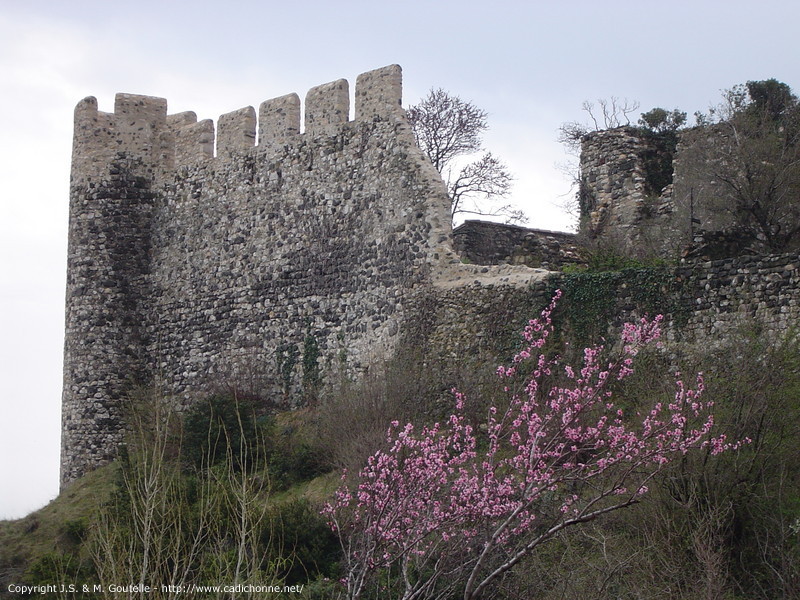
(237, 488)
(56, 528)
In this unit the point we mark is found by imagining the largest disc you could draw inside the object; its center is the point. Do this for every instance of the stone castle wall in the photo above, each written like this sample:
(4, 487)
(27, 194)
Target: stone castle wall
(697, 163)
(613, 189)
(704, 303)
(761, 291)
(635, 189)
(201, 255)
(489, 243)
(646, 197)
(188, 268)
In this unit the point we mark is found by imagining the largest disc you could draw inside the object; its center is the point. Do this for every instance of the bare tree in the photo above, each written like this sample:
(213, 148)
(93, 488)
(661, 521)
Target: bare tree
(167, 531)
(755, 162)
(613, 112)
(610, 113)
(448, 128)
(143, 536)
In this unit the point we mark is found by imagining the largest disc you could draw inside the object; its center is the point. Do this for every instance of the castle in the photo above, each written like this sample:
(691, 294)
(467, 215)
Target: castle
(192, 268)
(189, 267)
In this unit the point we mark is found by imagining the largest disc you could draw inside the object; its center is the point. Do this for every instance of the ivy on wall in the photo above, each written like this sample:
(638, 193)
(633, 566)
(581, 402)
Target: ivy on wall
(312, 374)
(594, 301)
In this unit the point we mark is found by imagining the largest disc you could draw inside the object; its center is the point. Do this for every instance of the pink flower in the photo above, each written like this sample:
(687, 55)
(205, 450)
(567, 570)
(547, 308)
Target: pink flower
(431, 489)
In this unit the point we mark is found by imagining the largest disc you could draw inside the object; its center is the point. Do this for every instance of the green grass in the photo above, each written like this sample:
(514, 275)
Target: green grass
(46, 530)
(53, 528)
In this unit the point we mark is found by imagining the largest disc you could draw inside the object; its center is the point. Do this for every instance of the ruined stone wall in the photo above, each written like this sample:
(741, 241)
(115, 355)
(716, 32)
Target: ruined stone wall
(189, 269)
(697, 162)
(721, 295)
(613, 189)
(619, 202)
(488, 243)
(627, 191)
(703, 302)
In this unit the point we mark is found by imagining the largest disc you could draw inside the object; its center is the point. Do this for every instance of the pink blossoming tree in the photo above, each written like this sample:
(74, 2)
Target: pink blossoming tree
(447, 507)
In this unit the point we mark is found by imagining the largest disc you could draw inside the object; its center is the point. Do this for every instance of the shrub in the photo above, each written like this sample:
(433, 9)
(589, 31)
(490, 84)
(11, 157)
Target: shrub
(57, 568)
(215, 427)
(75, 531)
(451, 508)
(301, 533)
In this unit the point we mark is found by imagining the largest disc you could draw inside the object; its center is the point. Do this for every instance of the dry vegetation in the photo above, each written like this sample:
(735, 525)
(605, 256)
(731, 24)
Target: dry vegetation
(722, 530)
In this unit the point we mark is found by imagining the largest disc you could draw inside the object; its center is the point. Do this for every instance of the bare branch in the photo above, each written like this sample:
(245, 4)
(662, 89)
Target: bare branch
(447, 128)
(483, 179)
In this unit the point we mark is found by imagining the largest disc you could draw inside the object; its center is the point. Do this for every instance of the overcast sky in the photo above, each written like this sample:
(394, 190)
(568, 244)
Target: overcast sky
(529, 64)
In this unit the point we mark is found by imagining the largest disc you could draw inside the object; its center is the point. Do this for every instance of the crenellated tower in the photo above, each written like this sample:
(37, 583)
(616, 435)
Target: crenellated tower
(116, 159)
(197, 253)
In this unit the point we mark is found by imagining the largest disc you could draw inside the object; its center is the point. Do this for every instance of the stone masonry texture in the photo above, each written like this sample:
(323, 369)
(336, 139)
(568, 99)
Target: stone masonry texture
(620, 203)
(202, 256)
(187, 269)
(488, 243)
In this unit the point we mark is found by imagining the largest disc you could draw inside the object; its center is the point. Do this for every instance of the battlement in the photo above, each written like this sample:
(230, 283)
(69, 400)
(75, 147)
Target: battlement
(140, 127)
(198, 251)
